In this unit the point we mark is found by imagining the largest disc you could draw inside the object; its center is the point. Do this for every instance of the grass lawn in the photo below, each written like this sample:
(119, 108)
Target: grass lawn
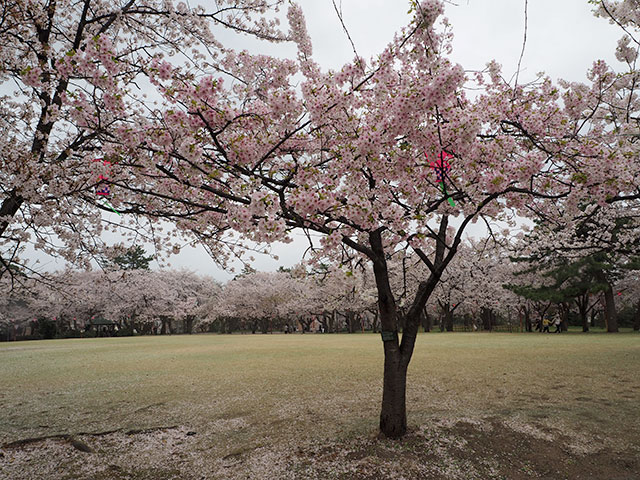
(277, 406)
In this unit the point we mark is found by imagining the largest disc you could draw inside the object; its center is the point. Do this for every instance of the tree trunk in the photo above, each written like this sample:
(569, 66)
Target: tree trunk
(324, 322)
(636, 321)
(146, 328)
(426, 320)
(487, 318)
(332, 322)
(393, 415)
(351, 321)
(166, 325)
(448, 320)
(188, 324)
(376, 321)
(564, 317)
(583, 303)
(527, 320)
(305, 323)
(609, 304)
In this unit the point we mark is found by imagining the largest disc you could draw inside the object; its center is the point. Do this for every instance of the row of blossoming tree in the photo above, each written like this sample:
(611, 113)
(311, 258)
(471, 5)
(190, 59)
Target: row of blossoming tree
(231, 152)
(178, 301)
(138, 301)
(478, 286)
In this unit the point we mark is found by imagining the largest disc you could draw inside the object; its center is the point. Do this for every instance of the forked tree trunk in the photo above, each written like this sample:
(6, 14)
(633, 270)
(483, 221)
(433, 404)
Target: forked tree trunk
(397, 355)
(393, 414)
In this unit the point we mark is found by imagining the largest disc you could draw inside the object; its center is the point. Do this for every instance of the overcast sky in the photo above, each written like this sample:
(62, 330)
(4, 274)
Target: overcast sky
(563, 40)
(563, 37)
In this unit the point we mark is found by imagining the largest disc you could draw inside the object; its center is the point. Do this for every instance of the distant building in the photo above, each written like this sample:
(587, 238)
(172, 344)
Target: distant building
(102, 326)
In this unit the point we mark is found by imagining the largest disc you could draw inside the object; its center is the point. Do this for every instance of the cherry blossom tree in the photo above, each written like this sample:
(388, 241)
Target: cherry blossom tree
(472, 285)
(359, 157)
(72, 298)
(265, 300)
(347, 160)
(193, 295)
(71, 71)
(132, 299)
(345, 291)
(15, 310)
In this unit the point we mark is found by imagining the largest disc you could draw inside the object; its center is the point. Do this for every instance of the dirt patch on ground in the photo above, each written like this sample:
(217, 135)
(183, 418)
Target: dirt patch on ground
(459, 448)
(540, 453)
(475, 449)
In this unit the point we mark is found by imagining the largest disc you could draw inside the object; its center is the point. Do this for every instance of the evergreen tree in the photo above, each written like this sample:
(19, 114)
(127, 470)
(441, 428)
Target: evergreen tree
(133, 259)
(596, 258)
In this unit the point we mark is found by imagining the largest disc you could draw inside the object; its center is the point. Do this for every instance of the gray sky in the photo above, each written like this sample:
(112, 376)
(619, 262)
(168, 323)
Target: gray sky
(563, 37)
(563, 40)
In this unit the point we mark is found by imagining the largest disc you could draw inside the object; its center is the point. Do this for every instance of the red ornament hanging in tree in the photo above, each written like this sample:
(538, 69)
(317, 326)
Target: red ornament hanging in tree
(441, 167)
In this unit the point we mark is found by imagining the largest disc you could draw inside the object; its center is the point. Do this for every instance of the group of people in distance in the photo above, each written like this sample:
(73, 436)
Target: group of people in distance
(548, 320)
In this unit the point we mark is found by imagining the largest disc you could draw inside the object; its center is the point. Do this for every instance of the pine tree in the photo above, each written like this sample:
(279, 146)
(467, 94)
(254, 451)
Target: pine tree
(133, 259)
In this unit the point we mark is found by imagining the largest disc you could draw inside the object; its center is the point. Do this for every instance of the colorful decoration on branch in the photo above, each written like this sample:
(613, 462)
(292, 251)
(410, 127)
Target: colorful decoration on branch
(441, 167)
(103, 188)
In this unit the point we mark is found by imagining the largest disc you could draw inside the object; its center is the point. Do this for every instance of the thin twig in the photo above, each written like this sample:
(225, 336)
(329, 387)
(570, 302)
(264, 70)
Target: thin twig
(344, 27)
(524, 42)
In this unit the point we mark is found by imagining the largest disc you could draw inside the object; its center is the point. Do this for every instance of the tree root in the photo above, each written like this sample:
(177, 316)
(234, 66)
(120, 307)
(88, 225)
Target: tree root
(79, 445)
(142, 409)
(149, 430)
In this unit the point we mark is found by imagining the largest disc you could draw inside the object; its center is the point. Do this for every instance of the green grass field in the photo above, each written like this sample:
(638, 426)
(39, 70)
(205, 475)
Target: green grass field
(480, 405)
